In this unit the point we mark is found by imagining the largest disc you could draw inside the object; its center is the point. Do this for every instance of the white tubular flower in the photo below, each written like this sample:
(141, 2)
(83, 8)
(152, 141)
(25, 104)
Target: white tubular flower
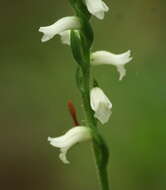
(62, 25)
(97, 8)
(118, 60)
(100, 104)
(72, 137)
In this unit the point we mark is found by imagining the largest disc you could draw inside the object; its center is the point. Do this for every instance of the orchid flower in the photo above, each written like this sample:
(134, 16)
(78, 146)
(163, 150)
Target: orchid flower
(118, 60)
(59, 27)
(72, 137)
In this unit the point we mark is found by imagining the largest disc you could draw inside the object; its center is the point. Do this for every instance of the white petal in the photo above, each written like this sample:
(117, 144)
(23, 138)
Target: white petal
(97, 95)
(121, 69)
(66, 141)
(66, 23)
(118, 60)
(97, 8)
(63, 154)
(103, 113)
(105, 7)
(99, 14)
(100, 104)
(65, 37)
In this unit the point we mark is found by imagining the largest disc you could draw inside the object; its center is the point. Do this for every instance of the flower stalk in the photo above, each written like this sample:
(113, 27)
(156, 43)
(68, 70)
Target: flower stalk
(81, 49)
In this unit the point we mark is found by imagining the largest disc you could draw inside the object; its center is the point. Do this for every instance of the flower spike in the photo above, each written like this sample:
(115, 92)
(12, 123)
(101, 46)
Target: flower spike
(72, 137)
(100, 104)
(118, 60)
(62, 25)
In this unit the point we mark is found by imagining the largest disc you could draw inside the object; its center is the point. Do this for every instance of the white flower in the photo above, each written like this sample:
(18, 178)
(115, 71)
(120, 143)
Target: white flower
(97, 8)
(62, 25)
(72, 137)
(118, 60)
(100, 104)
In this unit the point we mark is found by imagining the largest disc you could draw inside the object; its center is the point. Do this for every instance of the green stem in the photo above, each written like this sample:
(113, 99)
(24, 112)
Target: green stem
(86, 102)
(81, 46)
(104, 178)
(99, 147)
(101, 163)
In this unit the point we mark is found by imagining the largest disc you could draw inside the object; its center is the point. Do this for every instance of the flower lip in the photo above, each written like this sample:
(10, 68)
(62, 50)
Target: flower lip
(62, 25)
(72, 137)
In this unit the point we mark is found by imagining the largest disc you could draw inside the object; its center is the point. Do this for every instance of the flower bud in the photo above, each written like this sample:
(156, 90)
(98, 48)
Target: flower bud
(100, 104)
(97, 8)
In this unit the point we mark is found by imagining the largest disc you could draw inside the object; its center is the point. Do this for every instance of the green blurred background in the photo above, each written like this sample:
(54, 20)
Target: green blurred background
(37, 80)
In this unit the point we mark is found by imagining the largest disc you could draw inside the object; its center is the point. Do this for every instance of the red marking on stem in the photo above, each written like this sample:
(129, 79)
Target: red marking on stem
(73, 113)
